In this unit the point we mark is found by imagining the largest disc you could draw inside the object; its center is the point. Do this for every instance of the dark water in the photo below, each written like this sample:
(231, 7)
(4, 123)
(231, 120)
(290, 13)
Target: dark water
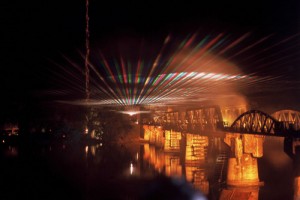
(78, 170)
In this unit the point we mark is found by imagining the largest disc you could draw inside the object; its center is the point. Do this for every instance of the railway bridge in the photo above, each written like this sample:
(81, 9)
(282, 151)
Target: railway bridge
(243, 131)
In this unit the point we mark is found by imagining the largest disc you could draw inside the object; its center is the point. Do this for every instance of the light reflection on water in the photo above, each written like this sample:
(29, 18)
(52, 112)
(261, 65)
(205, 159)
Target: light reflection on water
(89, 171)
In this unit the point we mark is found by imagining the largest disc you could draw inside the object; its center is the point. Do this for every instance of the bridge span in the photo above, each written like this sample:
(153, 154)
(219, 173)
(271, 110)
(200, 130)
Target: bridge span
(189, 132)
(211, 119)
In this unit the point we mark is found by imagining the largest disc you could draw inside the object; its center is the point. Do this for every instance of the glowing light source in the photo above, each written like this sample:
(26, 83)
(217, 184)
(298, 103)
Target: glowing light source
(131, 168)
(131, 113)
(86, 150)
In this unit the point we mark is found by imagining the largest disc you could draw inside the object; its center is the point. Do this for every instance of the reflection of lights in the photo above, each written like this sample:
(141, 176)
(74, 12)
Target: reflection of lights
(137, 156)
(86, 150)
(93, 150)
(297, 187)
(86, 130)
(131, 168)
(3, 141)
(12, 151)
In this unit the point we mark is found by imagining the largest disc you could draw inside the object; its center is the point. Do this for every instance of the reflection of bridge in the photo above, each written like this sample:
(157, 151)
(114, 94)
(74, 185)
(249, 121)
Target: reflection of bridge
(188, 132)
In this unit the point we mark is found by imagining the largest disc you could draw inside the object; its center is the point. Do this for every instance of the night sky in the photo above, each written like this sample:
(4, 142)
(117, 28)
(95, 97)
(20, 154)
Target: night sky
(38, 34)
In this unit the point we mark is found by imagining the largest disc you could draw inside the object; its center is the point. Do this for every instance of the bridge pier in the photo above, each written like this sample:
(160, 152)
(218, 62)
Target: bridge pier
(154, 135)
(147, 133)
(242, 166)
(195, 149)
(296, 163)
(172, 141)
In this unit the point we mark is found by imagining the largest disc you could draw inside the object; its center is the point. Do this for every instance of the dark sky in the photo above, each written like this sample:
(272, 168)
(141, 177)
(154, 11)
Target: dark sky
(38, 32)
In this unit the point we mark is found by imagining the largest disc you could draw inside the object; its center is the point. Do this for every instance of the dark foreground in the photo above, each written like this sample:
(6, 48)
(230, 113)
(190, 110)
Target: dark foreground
(39, 169)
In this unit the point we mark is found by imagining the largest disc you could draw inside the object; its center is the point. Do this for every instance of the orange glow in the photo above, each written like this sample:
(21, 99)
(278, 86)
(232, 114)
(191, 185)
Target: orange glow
(297, 187)
(195, 148)
(245, 173)
(132, 112)
(172, 165)
(86, 150)
(146, 132)
(146, 151)
(172, 140)
(198, 178)
(93, 150)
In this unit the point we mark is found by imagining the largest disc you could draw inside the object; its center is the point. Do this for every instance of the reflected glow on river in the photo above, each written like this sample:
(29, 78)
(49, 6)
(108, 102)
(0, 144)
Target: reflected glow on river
(128, 171)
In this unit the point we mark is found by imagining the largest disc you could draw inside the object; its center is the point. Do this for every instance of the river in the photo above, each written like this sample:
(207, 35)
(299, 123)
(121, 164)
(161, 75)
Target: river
(39, 169)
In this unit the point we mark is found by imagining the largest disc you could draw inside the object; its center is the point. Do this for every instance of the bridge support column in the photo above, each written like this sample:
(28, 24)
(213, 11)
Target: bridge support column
(154, 134)
(172, 141)
(292, 149)
(296, 163)
(196, 148)
(159, 136)
(147, 132)
(242, 166)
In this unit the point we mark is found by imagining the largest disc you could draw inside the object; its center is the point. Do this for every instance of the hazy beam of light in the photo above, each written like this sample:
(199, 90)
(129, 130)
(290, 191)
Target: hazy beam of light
(165, 81)
(172, 60)
(66, 78)
(211, 43)
(72, 84)
(119, 73)
(204, 51)
(250, 46)
(108, 67)
(272, 46)
(124, 77)
(109, 88)
(234, 43)
(183, 44)
(274, 61)
(158, 89)
(193, 52)
(166, 78)
(155, 63)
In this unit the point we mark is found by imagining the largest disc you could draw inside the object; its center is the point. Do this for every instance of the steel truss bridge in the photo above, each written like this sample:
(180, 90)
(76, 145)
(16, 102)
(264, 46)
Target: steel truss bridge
(205, 120)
